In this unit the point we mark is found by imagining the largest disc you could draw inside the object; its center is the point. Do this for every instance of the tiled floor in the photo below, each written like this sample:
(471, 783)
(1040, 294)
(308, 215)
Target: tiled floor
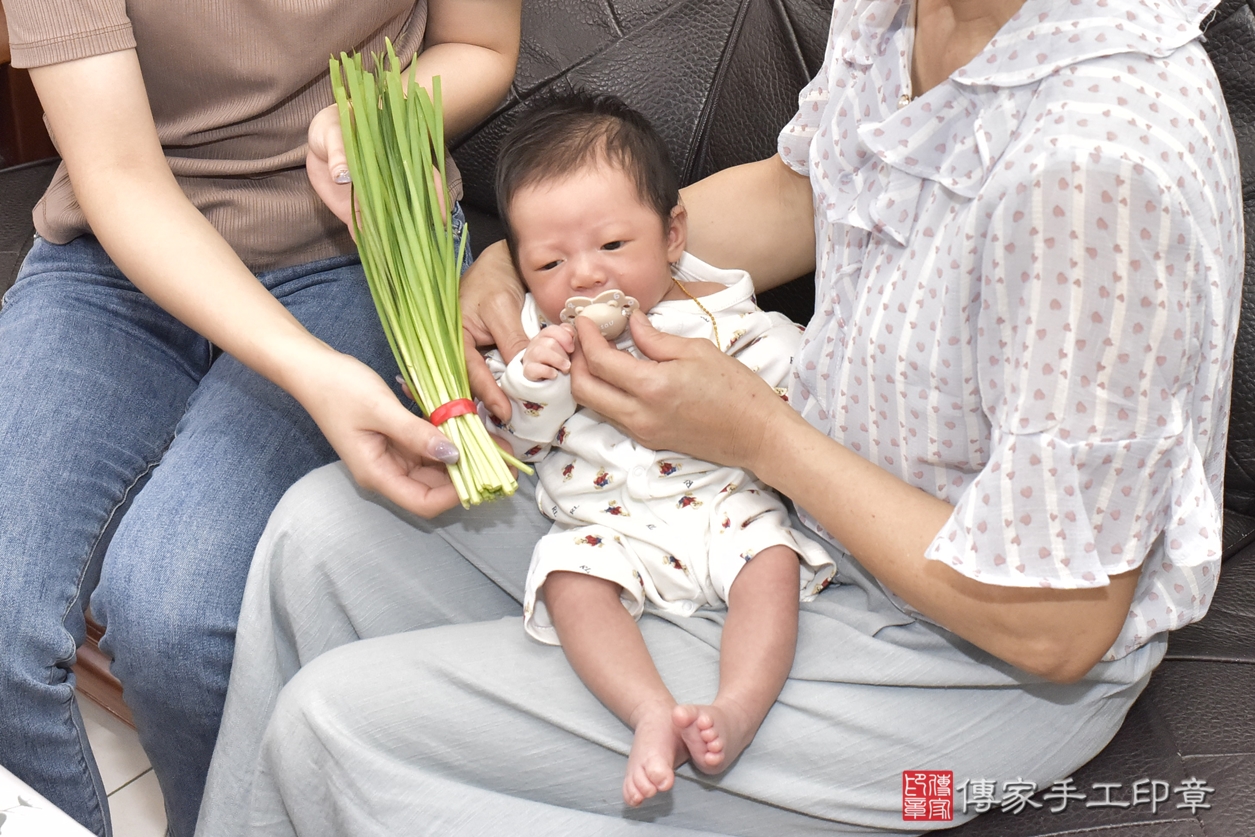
(135, 801)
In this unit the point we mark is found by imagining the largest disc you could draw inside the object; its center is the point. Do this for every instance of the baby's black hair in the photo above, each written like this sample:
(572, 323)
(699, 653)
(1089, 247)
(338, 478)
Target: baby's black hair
(577, 130)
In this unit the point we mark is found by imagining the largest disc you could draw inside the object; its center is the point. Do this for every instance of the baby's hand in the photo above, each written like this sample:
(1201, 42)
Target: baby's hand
(549, 353)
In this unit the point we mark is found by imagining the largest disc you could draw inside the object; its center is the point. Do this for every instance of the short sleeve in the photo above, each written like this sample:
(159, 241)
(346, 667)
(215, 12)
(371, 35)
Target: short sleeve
(1093, 306)
(43, 32)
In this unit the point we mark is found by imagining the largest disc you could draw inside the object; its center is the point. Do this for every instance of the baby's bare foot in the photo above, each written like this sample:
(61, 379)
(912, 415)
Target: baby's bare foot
(714, 734)
(656, 752)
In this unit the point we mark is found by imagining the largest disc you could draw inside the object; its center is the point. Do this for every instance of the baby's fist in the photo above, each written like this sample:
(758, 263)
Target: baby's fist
(549, 353)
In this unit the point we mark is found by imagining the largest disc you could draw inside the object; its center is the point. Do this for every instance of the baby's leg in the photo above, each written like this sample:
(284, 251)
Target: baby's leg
(605, 647)
(759, 636)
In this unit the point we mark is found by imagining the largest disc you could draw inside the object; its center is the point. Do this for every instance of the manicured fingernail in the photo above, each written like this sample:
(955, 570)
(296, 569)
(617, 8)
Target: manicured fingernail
(444, 451)
(342, 176)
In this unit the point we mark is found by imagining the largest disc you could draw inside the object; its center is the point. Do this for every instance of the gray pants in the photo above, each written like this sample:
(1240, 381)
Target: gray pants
(383, 685)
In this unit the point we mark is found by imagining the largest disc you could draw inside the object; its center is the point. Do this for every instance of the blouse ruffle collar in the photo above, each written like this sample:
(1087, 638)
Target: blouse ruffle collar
(956, 132)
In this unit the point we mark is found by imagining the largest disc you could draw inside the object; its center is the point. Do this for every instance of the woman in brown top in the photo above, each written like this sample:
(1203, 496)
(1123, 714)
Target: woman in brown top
(181, 220)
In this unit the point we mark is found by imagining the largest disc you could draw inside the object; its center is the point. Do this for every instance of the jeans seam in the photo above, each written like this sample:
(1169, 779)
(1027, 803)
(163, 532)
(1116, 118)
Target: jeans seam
(126, 493)
(84, 744)
(94, 779)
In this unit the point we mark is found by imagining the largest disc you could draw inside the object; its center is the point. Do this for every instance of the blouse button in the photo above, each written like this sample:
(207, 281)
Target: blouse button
(904, 100)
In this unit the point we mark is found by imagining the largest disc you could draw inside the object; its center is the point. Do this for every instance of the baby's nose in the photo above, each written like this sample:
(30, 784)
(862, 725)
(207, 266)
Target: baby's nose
(588, 275)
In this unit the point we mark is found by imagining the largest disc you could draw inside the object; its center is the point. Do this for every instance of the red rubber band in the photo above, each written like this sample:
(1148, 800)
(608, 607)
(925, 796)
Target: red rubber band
(453, 409)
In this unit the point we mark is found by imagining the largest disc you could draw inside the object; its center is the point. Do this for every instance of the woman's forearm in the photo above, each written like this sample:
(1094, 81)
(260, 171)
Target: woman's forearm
(100, 115)
(185, 266)
(473, 45)
(888, 525)
(473, 81)
(758, 217)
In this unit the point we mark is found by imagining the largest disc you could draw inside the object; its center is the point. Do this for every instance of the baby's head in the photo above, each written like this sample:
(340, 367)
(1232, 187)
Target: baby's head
(590, 202)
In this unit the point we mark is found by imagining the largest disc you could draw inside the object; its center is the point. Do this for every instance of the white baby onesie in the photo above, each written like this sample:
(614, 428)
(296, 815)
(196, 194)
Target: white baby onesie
(672, 531)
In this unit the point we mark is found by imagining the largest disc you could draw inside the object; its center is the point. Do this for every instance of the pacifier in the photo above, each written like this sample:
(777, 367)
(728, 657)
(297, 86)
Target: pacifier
(610, 310)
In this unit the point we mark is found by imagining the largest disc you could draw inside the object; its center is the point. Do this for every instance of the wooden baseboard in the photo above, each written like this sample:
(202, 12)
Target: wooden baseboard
(93, 679)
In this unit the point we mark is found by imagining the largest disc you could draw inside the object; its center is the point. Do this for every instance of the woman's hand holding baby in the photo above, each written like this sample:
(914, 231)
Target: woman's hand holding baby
(491, 296)
(549, 353)
(687, 396)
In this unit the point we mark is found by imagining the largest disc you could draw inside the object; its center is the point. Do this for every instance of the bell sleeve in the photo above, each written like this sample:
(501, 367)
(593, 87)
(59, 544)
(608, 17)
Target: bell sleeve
(1093, 304)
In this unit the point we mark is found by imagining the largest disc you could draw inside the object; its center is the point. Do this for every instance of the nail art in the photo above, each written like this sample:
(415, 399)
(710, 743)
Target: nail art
(342, 176)
(444, 451)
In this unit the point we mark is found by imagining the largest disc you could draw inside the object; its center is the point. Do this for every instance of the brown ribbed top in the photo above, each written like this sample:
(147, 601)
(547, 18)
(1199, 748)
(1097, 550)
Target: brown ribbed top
(233, 85)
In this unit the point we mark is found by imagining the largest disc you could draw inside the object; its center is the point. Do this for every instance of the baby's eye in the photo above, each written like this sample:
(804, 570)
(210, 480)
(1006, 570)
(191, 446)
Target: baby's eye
(612, 245)
(550, 266)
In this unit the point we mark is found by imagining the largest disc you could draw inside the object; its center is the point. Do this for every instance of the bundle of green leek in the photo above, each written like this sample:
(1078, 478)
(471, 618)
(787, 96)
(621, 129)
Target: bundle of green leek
(394, 141)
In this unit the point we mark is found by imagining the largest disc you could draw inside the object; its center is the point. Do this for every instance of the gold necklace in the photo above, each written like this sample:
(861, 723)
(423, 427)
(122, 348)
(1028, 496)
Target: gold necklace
(705, 310)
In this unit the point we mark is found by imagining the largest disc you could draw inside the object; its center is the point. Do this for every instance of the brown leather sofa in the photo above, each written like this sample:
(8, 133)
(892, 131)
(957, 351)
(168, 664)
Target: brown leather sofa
(719, 78)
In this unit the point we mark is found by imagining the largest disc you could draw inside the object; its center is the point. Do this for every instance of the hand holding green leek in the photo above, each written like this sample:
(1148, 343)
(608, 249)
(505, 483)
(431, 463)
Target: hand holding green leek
(394, 142)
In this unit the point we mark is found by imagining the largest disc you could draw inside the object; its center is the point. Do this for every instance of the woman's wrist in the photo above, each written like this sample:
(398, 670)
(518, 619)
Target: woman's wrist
(299, 363)
(788, 449)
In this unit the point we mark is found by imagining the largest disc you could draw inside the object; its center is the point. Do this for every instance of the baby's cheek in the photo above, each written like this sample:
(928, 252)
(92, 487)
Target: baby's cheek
(550, 300)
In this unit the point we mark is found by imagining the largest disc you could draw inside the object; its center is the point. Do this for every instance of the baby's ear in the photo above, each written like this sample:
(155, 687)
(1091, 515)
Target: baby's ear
(677, 232)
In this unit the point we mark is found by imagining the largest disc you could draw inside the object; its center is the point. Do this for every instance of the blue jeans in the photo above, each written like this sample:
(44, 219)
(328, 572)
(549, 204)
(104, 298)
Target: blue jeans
(138, 469)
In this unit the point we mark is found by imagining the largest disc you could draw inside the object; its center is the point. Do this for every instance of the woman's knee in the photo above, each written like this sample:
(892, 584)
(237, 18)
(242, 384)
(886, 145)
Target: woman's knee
(168, 598)
(35, 664)
(166, 649)
(328, 694)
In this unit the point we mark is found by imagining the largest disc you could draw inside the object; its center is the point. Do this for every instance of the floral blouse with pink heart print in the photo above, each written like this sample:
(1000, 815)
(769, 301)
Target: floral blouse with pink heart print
(1027, 290)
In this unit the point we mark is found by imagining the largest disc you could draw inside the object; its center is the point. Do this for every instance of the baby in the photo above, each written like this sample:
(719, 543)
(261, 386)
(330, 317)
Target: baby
(591, 206)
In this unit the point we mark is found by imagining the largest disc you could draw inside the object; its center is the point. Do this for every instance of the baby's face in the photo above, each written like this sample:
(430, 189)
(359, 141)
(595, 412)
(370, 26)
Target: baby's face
(590, 232)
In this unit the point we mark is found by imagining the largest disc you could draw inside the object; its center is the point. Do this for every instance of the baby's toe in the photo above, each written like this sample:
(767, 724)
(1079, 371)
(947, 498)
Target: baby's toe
(637, 788)
(683, 715)
(660, 775)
